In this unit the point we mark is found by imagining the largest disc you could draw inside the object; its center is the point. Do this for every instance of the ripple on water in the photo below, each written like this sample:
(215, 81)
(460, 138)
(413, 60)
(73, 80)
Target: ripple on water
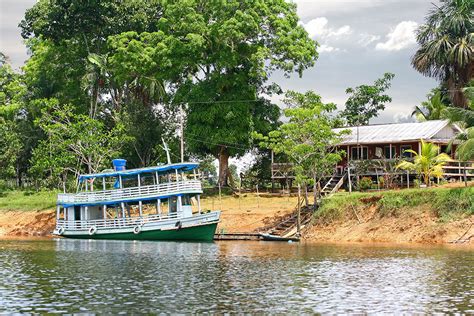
(68, 276)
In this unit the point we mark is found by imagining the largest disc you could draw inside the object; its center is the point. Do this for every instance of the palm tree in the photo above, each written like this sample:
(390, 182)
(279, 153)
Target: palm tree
(447, 47)
(465, 119)
(433, 109)
(428, 163)
(465, 150)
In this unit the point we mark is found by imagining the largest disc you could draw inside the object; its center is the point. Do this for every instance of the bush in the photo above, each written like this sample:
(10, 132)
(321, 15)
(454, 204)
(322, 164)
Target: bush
(365, 184)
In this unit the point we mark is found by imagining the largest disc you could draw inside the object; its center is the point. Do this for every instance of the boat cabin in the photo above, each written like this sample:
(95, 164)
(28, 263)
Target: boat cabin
(166, 191)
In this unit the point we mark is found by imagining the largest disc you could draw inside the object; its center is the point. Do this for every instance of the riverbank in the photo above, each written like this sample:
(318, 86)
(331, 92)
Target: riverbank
(438, 215)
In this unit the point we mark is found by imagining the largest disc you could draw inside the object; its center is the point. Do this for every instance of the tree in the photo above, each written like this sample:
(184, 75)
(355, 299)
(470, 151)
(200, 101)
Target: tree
(307, 138)
(236, 46)
(433, 109)
(447, 46)
(74, 143)
(366, 101)
(428, 163)
(465, 119)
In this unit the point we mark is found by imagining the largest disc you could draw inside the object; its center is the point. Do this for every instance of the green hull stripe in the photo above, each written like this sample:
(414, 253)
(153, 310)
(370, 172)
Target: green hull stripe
(201, 233)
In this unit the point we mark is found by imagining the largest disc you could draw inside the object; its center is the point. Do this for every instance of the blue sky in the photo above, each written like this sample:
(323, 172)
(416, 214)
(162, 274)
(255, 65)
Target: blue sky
(359, 41)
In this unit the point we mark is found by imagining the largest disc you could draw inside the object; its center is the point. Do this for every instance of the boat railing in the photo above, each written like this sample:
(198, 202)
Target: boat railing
(125, 222)
(168, 188)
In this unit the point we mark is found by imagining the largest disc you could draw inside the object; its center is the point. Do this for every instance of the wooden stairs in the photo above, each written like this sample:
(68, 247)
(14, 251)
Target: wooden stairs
(287, 228)
(333, 184)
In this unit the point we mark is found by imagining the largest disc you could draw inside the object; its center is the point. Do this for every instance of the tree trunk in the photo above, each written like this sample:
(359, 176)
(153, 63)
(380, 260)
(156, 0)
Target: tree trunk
(315, 192)
(223, 166)
(306, 202)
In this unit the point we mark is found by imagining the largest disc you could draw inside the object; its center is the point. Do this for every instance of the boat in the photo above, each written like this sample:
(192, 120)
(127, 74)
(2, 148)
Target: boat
(154, 203)
(269, 237)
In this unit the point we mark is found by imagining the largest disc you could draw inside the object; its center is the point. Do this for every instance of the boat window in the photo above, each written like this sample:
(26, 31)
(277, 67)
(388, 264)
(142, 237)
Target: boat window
(186, 200)
(173, 205)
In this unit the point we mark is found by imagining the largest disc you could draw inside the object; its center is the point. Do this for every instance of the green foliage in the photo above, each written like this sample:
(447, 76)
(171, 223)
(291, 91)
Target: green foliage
(428, 163)
(27, 201)
(433, 109)
(365, 184)
(208, 171)
(74, 142)
(259, 173)
(446, 46)
(366, 101)
(307, 138)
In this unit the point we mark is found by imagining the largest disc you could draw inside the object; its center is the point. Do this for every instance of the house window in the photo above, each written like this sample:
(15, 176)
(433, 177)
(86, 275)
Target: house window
(389, 152)
(360, 152)
(405, 154)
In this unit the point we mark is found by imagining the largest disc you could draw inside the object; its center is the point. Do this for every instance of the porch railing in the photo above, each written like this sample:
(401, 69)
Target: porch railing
(163, 189)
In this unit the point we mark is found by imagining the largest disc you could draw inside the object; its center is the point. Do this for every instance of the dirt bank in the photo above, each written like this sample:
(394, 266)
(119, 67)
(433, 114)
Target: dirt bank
(27, 223)
(417, 225)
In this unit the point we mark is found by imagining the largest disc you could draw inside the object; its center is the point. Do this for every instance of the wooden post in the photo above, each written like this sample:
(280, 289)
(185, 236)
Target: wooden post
(220, 198)
(408, 179)
(465, 174)
(271, 170)
(258, 200)
(298, 214)
(349, 178)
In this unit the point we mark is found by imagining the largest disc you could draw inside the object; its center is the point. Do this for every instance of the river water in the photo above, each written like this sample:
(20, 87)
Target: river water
(66, 276)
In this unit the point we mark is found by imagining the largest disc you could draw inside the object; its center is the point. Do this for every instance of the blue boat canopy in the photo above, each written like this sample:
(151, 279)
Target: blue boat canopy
(187, 166)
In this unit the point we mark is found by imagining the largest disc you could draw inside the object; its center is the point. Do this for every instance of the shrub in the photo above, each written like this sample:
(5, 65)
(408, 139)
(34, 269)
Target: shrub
(365, 183)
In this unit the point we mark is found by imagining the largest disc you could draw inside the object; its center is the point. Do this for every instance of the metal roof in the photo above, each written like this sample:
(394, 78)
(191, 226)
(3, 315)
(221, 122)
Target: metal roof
(186, 166)
(391, 133)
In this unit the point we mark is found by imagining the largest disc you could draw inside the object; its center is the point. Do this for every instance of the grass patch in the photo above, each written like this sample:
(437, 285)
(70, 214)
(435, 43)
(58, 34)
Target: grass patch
(27, 200)
(447, 203)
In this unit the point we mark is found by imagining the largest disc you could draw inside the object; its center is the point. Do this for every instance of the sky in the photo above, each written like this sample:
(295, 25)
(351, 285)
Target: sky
(359, 41)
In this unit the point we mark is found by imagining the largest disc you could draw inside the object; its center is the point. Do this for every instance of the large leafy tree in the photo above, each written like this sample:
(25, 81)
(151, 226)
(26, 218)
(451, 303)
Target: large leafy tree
(236, 46)
(447, 47)
(366, 101)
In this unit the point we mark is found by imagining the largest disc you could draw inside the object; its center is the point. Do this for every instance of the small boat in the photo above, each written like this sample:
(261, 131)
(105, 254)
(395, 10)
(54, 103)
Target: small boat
(155, 203)
(269, 237)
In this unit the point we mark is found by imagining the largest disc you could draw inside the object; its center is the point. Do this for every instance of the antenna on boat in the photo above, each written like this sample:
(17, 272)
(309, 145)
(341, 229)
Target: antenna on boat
(165, 147)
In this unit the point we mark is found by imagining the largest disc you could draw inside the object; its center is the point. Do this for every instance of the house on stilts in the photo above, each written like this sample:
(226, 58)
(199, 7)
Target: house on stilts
(374, 150)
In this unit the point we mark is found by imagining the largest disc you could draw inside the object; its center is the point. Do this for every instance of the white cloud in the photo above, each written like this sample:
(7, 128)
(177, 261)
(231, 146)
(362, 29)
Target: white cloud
(318, 27)
(366, 39)
(345, 30)
(401, 37)
(327, 49)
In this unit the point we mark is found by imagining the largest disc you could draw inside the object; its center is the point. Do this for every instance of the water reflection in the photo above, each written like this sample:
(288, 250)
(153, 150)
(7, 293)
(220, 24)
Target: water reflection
(125, 276)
